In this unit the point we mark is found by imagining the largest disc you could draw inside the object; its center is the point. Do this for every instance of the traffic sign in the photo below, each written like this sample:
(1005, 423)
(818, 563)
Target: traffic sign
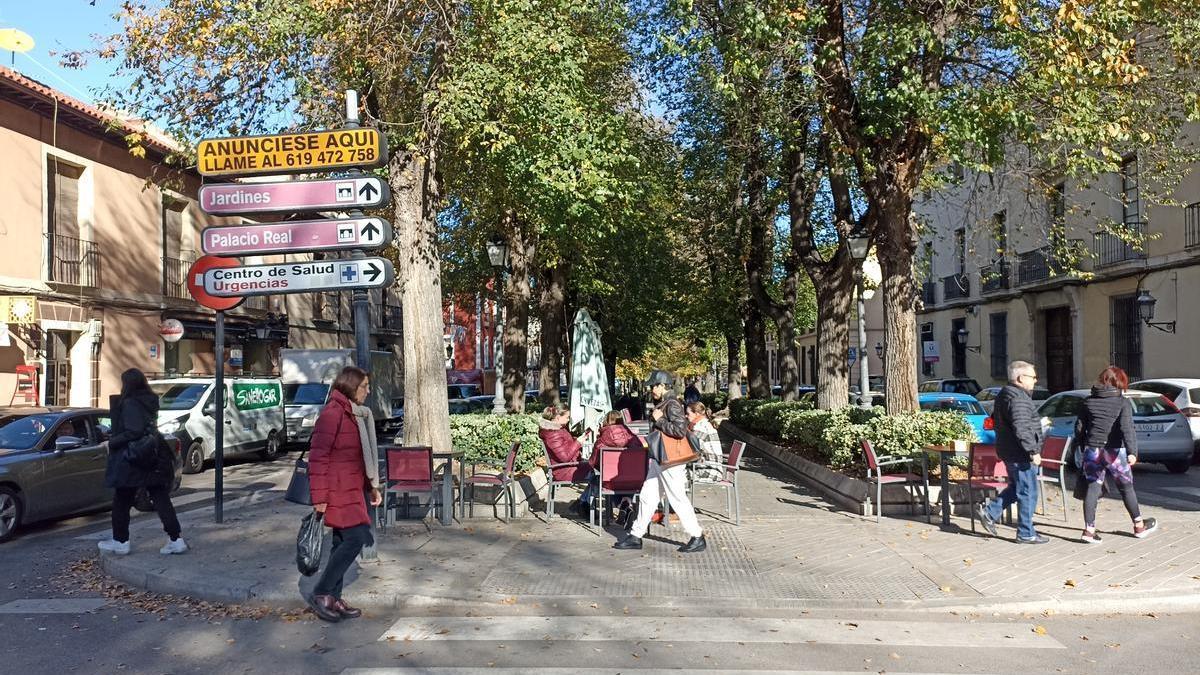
(291, 153)
(195, 282)
(317, 275)
(224, 199)
(296, 236)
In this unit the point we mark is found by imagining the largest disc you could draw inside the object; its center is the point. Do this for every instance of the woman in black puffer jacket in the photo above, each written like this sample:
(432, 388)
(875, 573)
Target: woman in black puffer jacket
(1104, 431)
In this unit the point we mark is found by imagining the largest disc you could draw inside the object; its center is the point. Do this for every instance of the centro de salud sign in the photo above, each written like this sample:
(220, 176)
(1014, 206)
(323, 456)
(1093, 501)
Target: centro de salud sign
(291, 153)
(324, 275)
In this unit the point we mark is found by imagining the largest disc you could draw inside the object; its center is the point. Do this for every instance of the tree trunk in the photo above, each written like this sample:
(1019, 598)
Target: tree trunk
(426, 413)
(896, 252)
(789, 351)
(518, 294)
(733, 349)
(834, 295)
(756, 352)
(552, 308)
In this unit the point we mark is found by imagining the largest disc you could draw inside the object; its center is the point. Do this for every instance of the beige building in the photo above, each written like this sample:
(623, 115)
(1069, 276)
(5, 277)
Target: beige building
(95, 254)
(999, 283)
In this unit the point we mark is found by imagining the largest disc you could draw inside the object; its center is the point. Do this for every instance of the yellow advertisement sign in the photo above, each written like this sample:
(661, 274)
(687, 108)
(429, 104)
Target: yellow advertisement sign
(291, 153)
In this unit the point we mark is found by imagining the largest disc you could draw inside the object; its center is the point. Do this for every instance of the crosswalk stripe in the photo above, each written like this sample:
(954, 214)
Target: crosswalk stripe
(450, 670)
(715, 629)
(445, 670)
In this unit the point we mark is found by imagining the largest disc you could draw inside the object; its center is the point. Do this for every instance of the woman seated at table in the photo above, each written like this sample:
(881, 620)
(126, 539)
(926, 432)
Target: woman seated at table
(614, 434)
(565, 449)
(711, 453)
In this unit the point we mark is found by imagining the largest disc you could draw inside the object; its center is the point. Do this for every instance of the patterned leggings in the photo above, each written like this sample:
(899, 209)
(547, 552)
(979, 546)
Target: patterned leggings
(1099, 463)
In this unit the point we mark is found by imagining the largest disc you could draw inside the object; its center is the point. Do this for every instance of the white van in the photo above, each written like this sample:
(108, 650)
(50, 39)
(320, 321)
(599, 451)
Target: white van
(254, 419)
(307, 376)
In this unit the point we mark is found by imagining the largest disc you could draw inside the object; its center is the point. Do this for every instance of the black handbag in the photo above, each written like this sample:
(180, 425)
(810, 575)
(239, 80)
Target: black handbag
(309, 542)
(143, 452)
(298, 489)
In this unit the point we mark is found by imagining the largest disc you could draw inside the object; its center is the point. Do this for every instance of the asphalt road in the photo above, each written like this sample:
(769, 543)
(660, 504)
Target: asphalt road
(58, 616)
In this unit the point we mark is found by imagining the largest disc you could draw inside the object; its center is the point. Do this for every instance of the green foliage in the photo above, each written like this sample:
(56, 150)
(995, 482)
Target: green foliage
(485, 438)
(715, 401)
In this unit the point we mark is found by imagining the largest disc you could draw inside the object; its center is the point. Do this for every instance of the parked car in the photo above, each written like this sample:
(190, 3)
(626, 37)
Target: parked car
(52, 463)
(1163, 434)
(254, 416)
(957, 385)
(462, 392)
(1185, 392)
(877, 398)
(979, 419)
(987, 396)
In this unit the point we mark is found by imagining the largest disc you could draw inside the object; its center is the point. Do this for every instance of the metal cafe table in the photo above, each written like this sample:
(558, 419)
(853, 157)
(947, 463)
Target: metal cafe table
(944, 451)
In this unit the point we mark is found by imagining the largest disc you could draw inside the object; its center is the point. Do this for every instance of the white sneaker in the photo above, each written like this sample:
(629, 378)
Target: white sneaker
(177, 546)
(114, 547)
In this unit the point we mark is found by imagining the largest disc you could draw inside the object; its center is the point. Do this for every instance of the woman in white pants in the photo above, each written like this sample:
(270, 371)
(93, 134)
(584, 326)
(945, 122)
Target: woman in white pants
(667, 418)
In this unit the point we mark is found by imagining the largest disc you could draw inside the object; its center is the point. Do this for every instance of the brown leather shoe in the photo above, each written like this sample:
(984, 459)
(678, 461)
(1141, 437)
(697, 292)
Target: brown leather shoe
(325, 607)
(345, 610)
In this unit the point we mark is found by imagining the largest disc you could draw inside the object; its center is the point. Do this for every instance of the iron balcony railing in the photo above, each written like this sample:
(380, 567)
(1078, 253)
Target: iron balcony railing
(391, 317)
(955, 287)
(175, 277)
(72, 261)
(1110, 249)
(256, 302)
(994, 277)
(929, 293)
(1191, 225)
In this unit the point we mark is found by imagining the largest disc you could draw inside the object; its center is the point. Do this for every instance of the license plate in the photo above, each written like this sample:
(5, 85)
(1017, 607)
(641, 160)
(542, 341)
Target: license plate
(1150, 428)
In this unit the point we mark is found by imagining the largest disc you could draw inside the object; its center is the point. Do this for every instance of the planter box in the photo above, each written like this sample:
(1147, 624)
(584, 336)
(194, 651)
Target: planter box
(845, 492)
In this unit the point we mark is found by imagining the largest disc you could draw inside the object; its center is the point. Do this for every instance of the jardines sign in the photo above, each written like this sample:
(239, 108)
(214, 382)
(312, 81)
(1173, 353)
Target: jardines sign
(256, 395)
(291, 153)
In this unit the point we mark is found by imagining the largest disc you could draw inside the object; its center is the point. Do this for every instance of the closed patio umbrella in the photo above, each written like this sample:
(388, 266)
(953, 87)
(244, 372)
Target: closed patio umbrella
(589, 397)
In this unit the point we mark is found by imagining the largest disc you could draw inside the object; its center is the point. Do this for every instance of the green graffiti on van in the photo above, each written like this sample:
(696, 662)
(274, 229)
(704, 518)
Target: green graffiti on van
(256, 395)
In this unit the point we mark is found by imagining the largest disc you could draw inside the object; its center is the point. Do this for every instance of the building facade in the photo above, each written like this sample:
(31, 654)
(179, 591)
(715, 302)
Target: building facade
(95, 253)
(1020, 265)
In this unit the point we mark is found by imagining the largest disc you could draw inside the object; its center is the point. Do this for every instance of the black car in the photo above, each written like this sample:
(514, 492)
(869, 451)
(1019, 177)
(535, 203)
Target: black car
(52, 463)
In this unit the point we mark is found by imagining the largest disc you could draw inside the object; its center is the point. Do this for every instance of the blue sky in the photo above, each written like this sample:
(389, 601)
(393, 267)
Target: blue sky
(58, 26)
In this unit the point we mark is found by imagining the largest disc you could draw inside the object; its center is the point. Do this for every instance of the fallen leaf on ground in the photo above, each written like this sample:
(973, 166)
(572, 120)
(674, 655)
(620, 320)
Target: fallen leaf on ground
(1113, 645)
(1040, 630)
(511, 600)
(1069, 582)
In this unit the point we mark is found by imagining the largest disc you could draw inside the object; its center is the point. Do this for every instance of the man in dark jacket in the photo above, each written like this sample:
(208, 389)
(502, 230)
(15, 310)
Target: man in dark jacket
(134, 414)
(1019, 445)
(670, 419)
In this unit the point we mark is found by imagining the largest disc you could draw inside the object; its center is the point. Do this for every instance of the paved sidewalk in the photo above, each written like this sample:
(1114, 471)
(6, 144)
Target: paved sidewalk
(791, 550)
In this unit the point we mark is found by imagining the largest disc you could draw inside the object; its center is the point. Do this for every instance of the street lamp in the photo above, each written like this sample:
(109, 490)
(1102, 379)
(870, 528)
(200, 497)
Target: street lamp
(497, 253)
(960, 338)
(1145, 308)
(859, 245)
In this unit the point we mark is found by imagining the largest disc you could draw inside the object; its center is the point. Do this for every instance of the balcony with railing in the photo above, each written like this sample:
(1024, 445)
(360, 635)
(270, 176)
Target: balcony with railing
(257, 303)
(72, 261)
(1112, 249)
(391, 318)
(956, 287)
(929, 293)
(175, 277)
(995, 277)
(1191, 225)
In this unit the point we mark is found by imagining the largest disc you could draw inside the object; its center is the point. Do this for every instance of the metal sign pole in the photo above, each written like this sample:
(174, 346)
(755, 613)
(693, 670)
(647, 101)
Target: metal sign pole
(219, 420)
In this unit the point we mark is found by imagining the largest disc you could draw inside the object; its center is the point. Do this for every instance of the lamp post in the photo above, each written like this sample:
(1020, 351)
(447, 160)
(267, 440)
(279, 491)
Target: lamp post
(1145, 309)
(497, 252)
(859, 244)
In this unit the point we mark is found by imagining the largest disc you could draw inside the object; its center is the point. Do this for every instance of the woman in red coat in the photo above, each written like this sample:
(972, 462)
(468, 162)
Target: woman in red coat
(338, 482)
(565, 449)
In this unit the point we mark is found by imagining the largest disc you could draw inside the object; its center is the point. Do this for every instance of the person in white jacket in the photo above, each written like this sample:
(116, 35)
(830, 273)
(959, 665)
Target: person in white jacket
(711, 454)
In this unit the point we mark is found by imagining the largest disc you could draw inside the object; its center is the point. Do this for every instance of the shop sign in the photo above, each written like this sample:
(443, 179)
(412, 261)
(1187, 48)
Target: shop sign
(930, 350)
(171, 330)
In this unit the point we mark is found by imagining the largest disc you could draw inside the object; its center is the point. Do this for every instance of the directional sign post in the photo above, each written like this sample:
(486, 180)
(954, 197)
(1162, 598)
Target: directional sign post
(304, 277)
(296, 236)
(291, 153)
(227, 199)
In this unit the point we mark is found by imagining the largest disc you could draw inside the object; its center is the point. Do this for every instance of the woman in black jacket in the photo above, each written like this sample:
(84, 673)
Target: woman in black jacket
(1104, 430)
(134, 414)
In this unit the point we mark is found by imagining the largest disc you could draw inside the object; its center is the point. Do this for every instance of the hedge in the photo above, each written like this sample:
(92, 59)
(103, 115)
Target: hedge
(485, 438)
(835, 435)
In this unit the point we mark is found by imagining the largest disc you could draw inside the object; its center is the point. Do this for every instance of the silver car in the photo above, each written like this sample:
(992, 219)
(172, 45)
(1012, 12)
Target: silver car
(1163, 435)
(52, 463)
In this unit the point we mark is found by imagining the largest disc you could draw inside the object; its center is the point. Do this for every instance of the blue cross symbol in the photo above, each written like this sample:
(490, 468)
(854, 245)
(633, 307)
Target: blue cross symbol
(349, 273)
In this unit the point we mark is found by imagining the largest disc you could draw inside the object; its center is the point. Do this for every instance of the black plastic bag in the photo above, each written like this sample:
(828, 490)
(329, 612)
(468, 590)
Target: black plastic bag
(309, 542)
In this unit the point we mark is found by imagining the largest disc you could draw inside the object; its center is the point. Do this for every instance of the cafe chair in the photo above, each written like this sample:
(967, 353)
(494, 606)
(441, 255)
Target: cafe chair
(502, 481)
(875, 472)
(728, 473)
(1053, 468)
(409, 472)
(985, 472)
(578, 476)
(622, 471)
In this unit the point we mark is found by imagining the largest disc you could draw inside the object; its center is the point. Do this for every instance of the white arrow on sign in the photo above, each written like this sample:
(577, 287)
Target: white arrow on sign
(224, 199)
(296, 236)
(320, 275)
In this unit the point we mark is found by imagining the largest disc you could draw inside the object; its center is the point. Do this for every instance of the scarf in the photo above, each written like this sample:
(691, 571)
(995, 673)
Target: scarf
(366, 436)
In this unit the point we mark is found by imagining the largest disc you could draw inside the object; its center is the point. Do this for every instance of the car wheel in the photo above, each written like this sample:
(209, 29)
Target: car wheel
(270, 451)
(1177, 466)
(10, 512)
(193, 459)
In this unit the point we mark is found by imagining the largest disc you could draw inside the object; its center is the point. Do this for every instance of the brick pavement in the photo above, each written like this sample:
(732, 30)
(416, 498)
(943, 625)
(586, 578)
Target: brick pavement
(791, 550)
